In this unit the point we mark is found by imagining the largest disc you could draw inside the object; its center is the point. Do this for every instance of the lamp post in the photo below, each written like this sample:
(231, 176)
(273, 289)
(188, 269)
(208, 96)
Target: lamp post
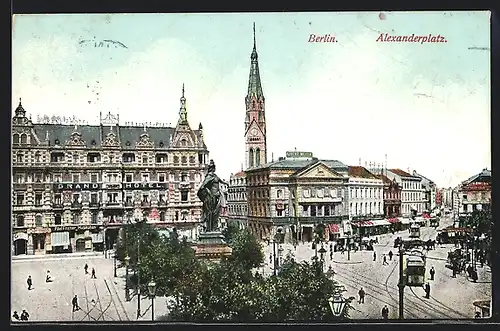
(127, 294)
(322, 252)
(114, 258)
(401, 283)
(337, 304)
(280, 254)
(152, 294)
(144, 220)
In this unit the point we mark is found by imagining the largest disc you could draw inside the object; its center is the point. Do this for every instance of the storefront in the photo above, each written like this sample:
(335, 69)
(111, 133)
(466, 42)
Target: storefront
(20, 243)
(60, 242)
(370, 228)
(332, 232)
(74, 238)
(307, 232)
(38, 240)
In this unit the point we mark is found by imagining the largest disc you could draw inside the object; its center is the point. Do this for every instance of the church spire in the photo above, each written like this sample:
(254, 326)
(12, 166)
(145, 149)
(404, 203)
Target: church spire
(183, 111)
(254, 84)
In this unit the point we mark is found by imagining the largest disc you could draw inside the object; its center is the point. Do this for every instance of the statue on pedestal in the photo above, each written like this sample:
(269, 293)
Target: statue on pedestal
(211, 195)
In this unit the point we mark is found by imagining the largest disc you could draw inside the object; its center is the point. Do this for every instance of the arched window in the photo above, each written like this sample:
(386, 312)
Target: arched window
(250, 157)
(24, 139)
(37, 157)
(257, 157)
(20, 220)
(20, 157)
(38, 220)
(183, 159)
(279, 193)
(184, 142)
(15, 139)
(356, 209)
(176, 160)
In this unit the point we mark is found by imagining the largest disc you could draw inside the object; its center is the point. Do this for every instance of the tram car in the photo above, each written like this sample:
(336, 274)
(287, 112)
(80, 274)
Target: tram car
(411, 243)
(415, 268)
(414, 231)
(434, 222)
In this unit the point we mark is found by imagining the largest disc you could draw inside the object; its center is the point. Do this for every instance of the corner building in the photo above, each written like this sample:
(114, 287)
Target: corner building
(74, 186)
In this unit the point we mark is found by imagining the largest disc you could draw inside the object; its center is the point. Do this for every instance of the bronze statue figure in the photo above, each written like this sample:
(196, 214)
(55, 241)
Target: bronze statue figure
(211, 196)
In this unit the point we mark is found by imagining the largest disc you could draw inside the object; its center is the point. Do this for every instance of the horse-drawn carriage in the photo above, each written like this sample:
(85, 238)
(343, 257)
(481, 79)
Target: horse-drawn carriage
(452, 235)
(430, 244)
(408, 243)
(457, 260)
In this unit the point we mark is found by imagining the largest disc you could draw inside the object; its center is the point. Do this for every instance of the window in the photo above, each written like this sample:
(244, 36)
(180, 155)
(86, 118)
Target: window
(128, 178)
(20, 220)
(184, 177)
(57, 157)
(57, 199)
(200, 158)
(279, 194)
(20, 158)
(161, 158)
(145, 178)
(38, 220)
(15, 139)
(183, 160)
(112, 197)
(57, 178)
(38, 178)
(327, 210)
(93, 157)
(20, 199)
(313, 211)
(57, 219)
(76, 197)
(144, 159)
(24, 139)
(176, 160)
(184, 195)
(95, 218)
(162, 216)
(76, 218)
(38, 199)
(37, 157)
(93, 198)
(183, 142)
(176, 215)
(192, 160)
(75, 158)
(111, 158)
(279, 212)
(76, 178)
(127, 158)
(161, 178)
(94, 178)
(19, 179)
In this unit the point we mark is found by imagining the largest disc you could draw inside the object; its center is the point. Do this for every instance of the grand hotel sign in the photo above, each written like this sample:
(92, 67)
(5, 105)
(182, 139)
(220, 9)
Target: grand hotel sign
(98, 186)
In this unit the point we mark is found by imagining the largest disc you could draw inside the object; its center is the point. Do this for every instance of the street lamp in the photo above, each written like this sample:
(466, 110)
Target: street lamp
(322, 252)
(114, 256)
(280, 255)
(152, 294)
(127, 294)
(337, 304)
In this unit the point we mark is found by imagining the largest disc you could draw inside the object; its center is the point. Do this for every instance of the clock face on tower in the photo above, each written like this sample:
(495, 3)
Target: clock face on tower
(254, 132)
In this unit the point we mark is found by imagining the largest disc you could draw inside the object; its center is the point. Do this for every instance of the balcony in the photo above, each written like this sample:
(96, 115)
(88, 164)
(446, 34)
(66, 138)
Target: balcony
(94, 204)
(129, 203)
(113, 203)
(145, 204)
(76, 205)
(20, 186)
(57, 205)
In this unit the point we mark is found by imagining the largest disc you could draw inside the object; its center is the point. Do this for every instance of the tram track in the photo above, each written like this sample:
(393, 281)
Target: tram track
(100, 311)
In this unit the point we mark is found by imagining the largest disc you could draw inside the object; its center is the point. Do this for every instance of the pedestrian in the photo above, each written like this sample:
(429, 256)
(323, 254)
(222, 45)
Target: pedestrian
(271, 258)
(474, 275)
(342, 250)
(86, 268)
(74, 302)
(331, 247)
(48, 279)
(15, 316)
(385, 312)
(361, 296)
(29, 282)
(374, 256)
(477, 315)
(432, 272)
(24, 315)
(390, 255)
(427, 290)
(385, 260)
(93, 273)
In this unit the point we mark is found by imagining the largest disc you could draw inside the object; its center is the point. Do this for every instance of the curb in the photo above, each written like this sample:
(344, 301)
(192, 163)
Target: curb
(53, 256)
(349, 262)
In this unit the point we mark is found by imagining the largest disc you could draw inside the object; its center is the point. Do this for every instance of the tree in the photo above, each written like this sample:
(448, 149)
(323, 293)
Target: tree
(247, 252)
(131, 235)
(230, 232)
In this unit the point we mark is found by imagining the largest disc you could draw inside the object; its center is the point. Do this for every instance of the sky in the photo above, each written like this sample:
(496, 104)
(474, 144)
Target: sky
(424, 105)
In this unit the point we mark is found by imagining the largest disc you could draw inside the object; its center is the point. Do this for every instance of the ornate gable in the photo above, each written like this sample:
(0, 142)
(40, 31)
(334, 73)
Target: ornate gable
(318, 170)
(110, 140)
(75, 139)
(144, 141)
(183, 139)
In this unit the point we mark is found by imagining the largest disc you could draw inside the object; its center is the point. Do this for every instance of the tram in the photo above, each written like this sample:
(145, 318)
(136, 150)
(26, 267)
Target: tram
(414, 231)
(415, 268)
(434, 222)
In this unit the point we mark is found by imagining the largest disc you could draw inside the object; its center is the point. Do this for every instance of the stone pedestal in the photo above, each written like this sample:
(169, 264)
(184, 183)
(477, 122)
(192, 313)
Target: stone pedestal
(211, 246)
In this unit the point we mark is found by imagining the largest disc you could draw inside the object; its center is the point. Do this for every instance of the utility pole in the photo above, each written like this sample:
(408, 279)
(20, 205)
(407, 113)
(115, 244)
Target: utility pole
(349, 247)
(401, 284)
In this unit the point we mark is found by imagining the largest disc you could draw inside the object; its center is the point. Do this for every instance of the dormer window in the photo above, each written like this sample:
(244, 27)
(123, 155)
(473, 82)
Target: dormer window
(93, 157)
(20, 158)
(161, 158)
(183, 142)
(93, 142)
(161, 144)
(57, 157)
(24, 139)
(15, 139)
(127, 143)
(128, 157)
(57, 142)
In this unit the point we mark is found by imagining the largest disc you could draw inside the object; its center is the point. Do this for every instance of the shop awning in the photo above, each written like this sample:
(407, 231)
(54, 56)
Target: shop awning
(393, 220)
(334, 228)
(380, 222)
(426, 216)
(97, 237)
(362, 224)
(59, 239)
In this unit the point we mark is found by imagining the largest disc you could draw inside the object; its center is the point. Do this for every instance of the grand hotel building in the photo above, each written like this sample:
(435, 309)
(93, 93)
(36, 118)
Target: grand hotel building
(74, 186)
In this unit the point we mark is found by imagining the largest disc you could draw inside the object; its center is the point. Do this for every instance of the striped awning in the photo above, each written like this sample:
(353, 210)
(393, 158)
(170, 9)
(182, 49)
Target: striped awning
(362, 224)
(393, 220)
(334, 228)
(426, 216)
(59, 238)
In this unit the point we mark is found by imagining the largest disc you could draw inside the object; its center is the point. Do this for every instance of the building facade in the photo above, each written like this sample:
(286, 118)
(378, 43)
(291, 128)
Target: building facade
(296, 193)
(392, 197)
(75, 185)
(475, 193)
(412, 192)
(430, 191)
(237, 199)
(365, 194)
(447, 197)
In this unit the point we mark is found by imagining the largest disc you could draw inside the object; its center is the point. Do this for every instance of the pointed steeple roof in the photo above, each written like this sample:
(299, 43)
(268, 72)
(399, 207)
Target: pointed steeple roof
(182, 110)
(254, 84)
(20, 112)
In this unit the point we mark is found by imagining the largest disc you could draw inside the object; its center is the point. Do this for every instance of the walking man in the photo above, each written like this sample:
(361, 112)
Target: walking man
(93, 273)
(361, 296)
(385, 261)
(432, 272)
(331, 255)
(427, 291)
(24, 315)
(15, 316)
(374, 256)
(74, 302)
(86, 268)
(390, 255)
(29, 282)
(385, 312)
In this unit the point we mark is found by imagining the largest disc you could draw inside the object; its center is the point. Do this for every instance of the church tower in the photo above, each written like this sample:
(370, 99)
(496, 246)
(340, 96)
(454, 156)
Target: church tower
(255, 120)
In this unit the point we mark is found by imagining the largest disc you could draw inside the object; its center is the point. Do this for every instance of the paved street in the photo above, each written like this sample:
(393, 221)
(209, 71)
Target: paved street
(449, 297)
(101, 299)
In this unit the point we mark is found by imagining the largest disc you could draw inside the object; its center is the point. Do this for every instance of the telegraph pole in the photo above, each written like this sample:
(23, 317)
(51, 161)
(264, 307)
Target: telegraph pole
(401, 284)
